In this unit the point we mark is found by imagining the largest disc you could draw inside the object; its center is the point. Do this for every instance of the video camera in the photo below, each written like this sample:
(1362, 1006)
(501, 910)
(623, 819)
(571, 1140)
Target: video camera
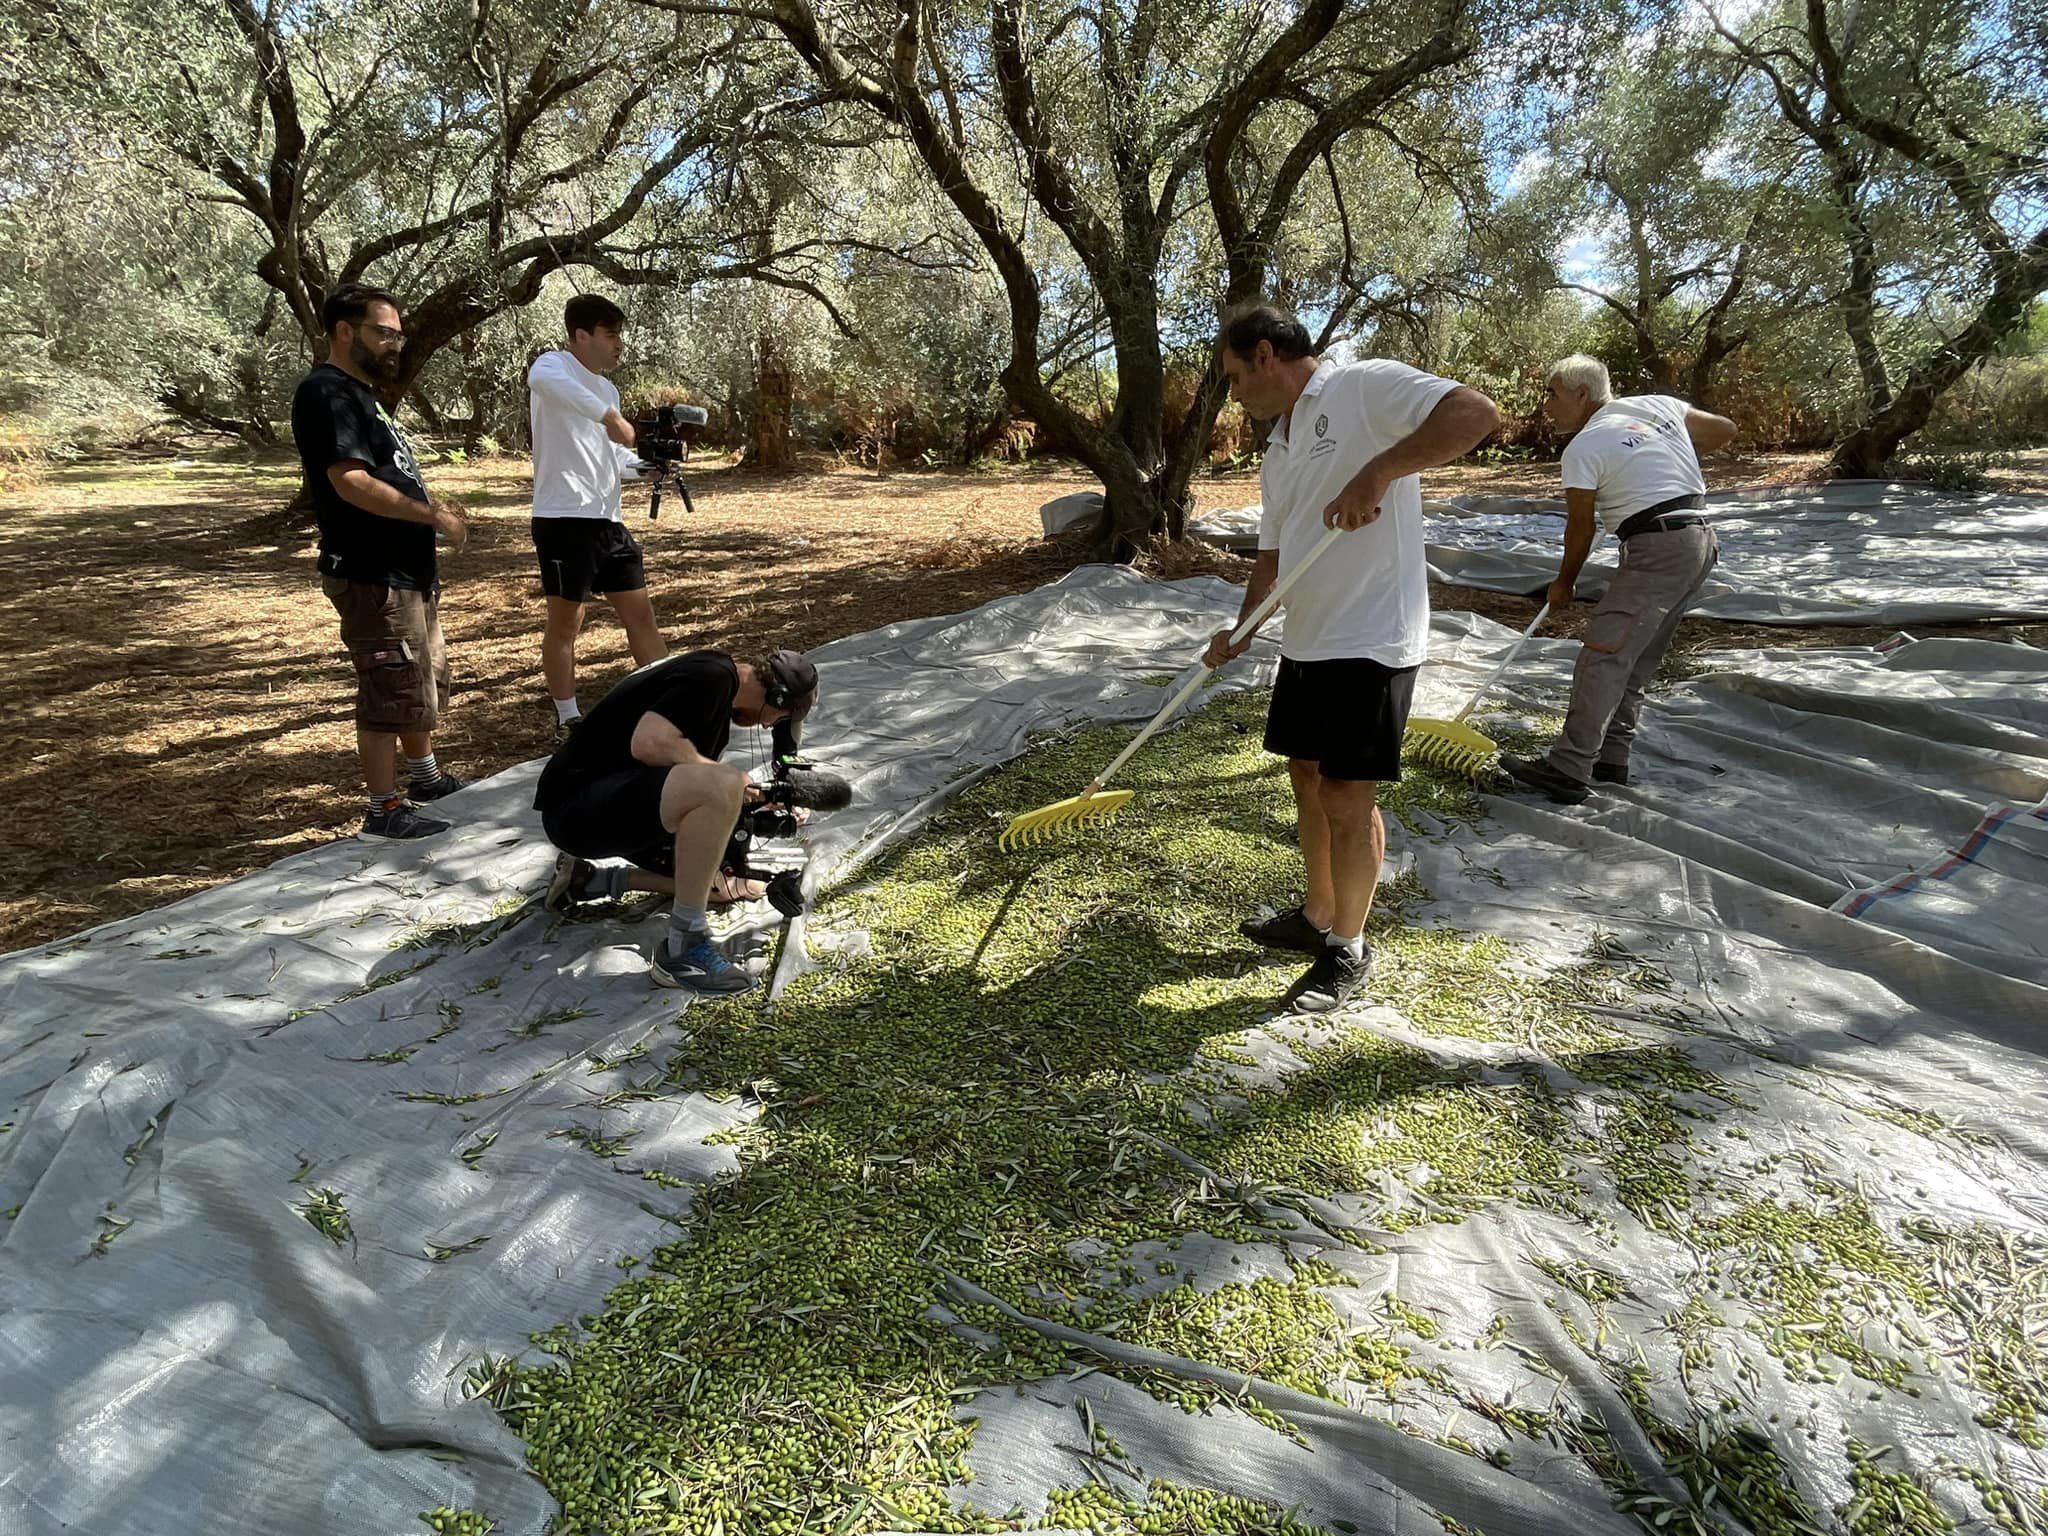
(669, 432)
(796, 786)
(663, 439)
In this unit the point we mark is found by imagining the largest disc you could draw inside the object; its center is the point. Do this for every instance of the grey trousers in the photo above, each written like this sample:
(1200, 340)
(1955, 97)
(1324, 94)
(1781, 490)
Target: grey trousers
(1660, 578)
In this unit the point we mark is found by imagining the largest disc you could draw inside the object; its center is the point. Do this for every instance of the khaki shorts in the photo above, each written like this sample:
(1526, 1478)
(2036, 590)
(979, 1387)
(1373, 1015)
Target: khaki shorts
(393, 636)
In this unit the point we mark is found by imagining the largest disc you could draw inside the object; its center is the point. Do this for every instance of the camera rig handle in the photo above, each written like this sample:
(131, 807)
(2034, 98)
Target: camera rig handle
(660, 484)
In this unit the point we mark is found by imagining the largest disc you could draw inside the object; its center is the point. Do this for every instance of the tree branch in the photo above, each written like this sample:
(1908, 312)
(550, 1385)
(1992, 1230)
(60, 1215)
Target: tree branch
(1051, 183)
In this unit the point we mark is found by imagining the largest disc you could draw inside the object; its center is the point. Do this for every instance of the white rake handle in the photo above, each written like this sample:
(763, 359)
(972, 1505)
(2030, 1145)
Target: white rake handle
(1188, 689)
(1505, 661)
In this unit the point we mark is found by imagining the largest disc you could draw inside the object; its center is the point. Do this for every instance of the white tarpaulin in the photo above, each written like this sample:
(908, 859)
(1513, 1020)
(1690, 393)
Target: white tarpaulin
(1851, 552)
(1986, 893)
(182, 1351)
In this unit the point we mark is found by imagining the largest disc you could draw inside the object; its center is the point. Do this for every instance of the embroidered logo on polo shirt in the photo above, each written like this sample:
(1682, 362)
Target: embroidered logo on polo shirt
(1322, 426)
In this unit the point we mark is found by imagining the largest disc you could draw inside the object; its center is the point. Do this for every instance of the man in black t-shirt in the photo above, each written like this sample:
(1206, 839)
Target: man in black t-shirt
(640, 779)
(377, 565)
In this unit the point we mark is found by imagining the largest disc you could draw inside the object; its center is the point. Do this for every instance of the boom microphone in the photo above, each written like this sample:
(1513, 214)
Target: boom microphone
(812, 790)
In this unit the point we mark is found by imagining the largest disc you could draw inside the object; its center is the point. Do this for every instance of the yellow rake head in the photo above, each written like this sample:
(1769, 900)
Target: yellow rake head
(1048, 820)
(1450, 745)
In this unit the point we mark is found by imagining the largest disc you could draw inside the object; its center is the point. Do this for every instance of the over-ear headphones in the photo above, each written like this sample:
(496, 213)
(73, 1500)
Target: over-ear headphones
(789, 680)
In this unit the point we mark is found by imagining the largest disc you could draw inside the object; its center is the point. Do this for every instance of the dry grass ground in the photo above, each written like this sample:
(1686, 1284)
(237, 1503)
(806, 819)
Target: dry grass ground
(178, 710)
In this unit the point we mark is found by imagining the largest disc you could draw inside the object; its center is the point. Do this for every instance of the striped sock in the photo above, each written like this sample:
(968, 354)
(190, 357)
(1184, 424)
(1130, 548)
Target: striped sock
(424, 770)
(381, 801)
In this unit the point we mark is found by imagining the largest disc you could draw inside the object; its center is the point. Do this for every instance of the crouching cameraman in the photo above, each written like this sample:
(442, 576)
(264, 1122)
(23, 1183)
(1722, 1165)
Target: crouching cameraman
(641, 780)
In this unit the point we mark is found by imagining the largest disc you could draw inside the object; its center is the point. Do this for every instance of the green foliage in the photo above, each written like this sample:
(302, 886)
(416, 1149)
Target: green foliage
(922, 380)
(1722, 1466)
(328, 1216)
(2001, 403)
(1959, 474)
(1572, 180)
(116, 290)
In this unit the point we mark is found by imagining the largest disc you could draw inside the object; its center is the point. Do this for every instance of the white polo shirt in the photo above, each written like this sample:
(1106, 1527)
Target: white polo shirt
(576, 468)
(1369, 594)
(1631, 454)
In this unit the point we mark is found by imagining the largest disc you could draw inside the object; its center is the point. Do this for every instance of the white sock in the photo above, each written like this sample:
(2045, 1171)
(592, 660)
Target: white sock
(686, 925)
(567, 710)
(1353, 946)
(422, 770)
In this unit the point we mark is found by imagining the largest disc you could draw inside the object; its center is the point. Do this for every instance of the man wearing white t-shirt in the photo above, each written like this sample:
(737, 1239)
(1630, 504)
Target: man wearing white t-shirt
(582, 450)
(1344, 451)
(1632, 467)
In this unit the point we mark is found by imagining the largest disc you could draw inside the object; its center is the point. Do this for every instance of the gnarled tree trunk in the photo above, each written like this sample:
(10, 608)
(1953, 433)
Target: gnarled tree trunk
(770, 442)
(1864, 452)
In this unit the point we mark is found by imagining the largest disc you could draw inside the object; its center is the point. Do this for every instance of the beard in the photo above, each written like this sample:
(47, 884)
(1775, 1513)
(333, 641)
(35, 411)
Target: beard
(378, 365)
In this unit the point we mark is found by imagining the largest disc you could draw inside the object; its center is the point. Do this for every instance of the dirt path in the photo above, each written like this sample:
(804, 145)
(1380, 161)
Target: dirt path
(178, 713)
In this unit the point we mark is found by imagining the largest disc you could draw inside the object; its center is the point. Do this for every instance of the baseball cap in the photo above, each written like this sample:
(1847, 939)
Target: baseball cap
(795, 676)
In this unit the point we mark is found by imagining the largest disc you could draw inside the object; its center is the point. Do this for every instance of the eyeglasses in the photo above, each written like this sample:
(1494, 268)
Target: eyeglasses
(390, 332)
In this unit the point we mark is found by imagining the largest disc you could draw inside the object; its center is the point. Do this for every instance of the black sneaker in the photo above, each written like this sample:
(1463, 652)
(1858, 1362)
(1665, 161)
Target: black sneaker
(1537, 774)
(402, 822)
(570, 884)
(1610, 773)
(440, 787)
(564, 729)
(1331, 982)
(1284, 930)
(702, 967)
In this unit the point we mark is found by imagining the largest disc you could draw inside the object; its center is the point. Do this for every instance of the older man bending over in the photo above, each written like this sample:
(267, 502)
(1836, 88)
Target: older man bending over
(1632, 467)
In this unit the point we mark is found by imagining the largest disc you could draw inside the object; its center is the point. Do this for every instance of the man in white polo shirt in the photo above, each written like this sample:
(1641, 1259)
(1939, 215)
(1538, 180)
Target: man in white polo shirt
(582, 450)
(1344, 451)
(1633, 468)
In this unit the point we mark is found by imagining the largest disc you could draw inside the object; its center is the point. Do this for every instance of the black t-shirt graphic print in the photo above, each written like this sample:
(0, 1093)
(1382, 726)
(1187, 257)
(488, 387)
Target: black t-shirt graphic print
(335, 418)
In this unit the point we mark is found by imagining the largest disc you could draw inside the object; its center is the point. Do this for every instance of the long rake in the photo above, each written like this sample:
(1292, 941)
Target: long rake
(1095, 807)
(1451, 744)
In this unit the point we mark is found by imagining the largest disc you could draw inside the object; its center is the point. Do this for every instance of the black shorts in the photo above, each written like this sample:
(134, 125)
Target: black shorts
(1346, 716)
(615, 815)
(580, 556)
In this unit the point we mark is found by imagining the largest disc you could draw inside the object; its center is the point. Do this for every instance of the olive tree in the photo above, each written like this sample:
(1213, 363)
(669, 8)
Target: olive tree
(458, 153)
(1134, 129)
(1698, 229)
(1940, 106)
(118, 296)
